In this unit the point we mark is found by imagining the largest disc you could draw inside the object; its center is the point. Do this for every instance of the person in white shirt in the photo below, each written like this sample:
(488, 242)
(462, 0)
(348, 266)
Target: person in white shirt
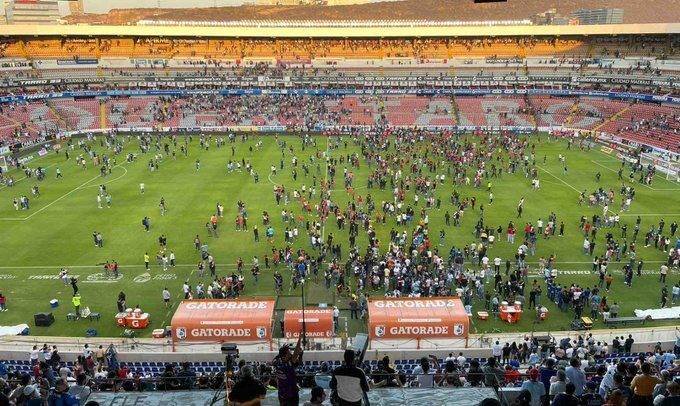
(166, 297)
(497, 350)
(86, 350)
(450, 358)
(461, 360)
(425, 373)
(34, 355)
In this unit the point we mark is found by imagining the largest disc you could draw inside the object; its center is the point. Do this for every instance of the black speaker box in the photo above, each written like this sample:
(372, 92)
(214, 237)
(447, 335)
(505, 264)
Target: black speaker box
(43, 319)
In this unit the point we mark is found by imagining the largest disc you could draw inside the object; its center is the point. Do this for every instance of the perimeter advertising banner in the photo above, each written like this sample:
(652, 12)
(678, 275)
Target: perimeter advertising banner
(214, 320)
(414, 318)
(318, 323)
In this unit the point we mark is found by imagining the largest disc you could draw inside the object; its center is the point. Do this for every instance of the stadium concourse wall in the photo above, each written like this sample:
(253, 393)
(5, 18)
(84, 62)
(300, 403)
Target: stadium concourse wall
(161, 350)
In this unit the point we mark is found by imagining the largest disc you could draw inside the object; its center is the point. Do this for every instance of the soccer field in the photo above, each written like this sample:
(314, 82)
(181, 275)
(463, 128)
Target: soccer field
(57, 230)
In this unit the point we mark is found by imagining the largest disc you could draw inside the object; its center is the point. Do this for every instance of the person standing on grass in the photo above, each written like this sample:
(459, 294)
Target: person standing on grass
(162, 206)
(146, 223)
(172, 258)
(146, 261)
(664, 296)
(166, 297)
(142, 188)
(3, 303)
(663, 271)
(74, 285)
(99, 201)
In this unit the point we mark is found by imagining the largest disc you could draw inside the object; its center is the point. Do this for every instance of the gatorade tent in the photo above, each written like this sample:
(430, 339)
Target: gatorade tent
(214, 321)
(318, 323)
(417, 318)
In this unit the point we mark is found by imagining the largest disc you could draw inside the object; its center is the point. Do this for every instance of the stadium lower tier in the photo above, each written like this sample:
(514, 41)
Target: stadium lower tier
(655, 125)
(405, 366)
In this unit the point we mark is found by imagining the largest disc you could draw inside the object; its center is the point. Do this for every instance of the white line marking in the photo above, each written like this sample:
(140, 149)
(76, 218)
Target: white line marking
(656, 174)
(112, 180)
(634, 183)
(550, 173)
(64, 195)
(20, 179)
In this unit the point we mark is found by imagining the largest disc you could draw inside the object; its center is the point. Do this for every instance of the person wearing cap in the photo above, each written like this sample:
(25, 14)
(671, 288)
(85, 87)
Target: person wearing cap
(534, 387)
(349, 383)
(247, 390)
(286, 376)
(60, 397)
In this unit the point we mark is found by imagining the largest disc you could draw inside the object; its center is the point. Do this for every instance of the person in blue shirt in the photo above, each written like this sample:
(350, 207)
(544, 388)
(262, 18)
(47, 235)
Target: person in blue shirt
(534, 387)
(576, 376)
(60, 397)
(547, 372)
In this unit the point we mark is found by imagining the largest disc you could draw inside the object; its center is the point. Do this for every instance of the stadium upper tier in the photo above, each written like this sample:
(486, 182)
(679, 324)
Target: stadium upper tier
(287, 49)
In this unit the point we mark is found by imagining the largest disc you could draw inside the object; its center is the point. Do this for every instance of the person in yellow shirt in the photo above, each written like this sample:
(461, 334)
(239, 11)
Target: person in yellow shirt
(146, 260)
(643, 385)
(76, 303)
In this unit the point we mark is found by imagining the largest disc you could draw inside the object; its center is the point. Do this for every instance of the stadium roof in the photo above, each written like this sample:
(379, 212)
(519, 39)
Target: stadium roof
(333, 32)
(635, 11)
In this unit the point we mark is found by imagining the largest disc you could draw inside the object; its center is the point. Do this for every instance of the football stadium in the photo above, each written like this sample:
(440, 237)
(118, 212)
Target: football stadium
(452, 202)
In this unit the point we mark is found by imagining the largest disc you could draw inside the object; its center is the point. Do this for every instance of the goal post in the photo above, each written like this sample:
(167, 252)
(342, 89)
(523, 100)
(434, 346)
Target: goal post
(667, 166)
(3, 164)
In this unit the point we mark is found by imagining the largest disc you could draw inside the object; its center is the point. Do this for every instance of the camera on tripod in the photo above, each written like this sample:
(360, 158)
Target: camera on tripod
(230, 352)
(230, 349)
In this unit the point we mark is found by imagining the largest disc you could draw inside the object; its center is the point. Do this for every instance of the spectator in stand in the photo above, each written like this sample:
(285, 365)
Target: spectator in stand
(349, 383)
(286, 364)
(591, 397)
(318, 395)
(620, 385)
(247, 390)
(512, 375)
(80, 390)
(576, 376)
(547, 371)
(607, 383)
(559, 385)
(493, 375)
(643, 385)
(534, 387)
(567, 398)
(425, 373)
(61, 397)
(475, 375)
(26, 391)
(671, 397)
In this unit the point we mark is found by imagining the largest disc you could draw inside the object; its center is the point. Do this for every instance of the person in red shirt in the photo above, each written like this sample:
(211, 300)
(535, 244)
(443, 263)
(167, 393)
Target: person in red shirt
(512, 375)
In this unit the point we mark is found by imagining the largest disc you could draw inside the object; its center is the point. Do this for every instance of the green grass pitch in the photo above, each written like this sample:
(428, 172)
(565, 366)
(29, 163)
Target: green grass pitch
(57, 230)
